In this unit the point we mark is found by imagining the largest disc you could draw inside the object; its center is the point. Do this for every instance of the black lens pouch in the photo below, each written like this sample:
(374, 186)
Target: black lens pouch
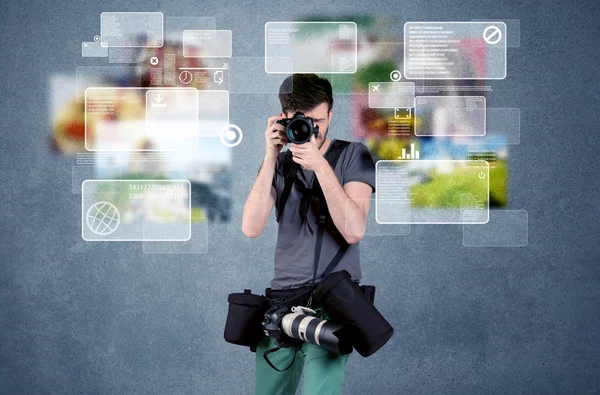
(345, 302)
(244, 318)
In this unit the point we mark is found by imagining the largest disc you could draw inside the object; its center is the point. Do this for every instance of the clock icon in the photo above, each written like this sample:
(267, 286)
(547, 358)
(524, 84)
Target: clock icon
(185, 77)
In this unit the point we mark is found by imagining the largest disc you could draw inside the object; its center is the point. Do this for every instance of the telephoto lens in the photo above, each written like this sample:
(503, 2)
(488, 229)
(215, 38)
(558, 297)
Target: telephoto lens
(331, 336)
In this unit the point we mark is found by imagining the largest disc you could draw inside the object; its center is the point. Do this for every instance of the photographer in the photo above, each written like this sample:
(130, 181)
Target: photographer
(346, 189)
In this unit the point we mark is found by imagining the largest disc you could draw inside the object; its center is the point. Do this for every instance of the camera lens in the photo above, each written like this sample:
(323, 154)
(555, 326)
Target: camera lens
(331, 336)
(299, 131)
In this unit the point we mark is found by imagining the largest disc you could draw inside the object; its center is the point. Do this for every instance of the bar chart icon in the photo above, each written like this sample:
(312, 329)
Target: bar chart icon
(414, 153)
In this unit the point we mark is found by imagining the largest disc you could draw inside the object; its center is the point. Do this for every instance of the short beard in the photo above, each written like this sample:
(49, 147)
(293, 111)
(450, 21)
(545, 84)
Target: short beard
(324, 137)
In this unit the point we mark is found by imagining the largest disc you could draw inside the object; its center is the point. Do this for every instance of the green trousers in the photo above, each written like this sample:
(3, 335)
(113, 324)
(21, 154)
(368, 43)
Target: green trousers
(323, 370)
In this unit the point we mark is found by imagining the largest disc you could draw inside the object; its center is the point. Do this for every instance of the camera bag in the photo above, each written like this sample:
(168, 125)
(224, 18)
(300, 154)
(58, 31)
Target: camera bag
(345, 302)
(244, 317)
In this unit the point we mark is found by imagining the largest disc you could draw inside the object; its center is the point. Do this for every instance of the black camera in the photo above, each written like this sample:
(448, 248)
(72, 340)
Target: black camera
(299, 128)
(290, 327)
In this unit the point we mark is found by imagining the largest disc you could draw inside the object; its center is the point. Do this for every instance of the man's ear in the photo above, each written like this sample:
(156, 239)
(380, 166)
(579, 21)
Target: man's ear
(281, 114)
(330, 114)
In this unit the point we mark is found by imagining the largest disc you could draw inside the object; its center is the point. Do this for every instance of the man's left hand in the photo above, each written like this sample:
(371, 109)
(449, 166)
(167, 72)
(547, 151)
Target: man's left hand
(308, 154)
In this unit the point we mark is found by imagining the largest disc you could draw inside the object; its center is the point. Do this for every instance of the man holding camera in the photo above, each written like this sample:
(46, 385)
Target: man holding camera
(302, 254)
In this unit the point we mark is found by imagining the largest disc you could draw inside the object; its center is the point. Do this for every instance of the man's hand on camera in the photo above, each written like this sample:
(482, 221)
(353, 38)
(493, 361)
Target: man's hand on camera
(275, 137)
(308, 154)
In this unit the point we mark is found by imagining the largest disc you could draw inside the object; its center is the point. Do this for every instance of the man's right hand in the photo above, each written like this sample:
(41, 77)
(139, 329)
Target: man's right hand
(275, 137)
(261, 199)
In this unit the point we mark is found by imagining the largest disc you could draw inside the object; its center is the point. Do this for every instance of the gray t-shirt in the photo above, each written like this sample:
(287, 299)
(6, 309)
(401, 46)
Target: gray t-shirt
(294, 254)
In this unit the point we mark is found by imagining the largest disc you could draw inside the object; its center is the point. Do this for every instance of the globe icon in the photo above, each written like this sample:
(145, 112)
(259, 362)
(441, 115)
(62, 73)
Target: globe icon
(103, 218)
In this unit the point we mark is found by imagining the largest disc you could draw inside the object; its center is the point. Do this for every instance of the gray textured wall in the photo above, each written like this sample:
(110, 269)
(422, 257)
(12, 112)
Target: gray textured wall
(96, 318)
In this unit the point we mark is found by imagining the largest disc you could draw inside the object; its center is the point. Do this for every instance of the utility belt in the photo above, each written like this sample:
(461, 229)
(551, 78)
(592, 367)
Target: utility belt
(300, 296)
(297, 296)
(343, 300)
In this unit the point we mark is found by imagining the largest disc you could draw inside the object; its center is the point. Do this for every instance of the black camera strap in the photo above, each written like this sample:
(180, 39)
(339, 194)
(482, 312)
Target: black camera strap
(336, 149)
(277, 349)
(290, 168)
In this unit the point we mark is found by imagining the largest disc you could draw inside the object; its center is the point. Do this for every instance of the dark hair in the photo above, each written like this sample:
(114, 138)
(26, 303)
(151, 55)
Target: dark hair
(303, 92)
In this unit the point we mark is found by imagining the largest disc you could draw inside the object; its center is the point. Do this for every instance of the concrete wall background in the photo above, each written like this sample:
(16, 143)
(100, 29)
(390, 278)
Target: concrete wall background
(96, 318)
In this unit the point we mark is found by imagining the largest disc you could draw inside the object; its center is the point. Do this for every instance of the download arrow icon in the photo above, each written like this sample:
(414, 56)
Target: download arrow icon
(158, 101)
